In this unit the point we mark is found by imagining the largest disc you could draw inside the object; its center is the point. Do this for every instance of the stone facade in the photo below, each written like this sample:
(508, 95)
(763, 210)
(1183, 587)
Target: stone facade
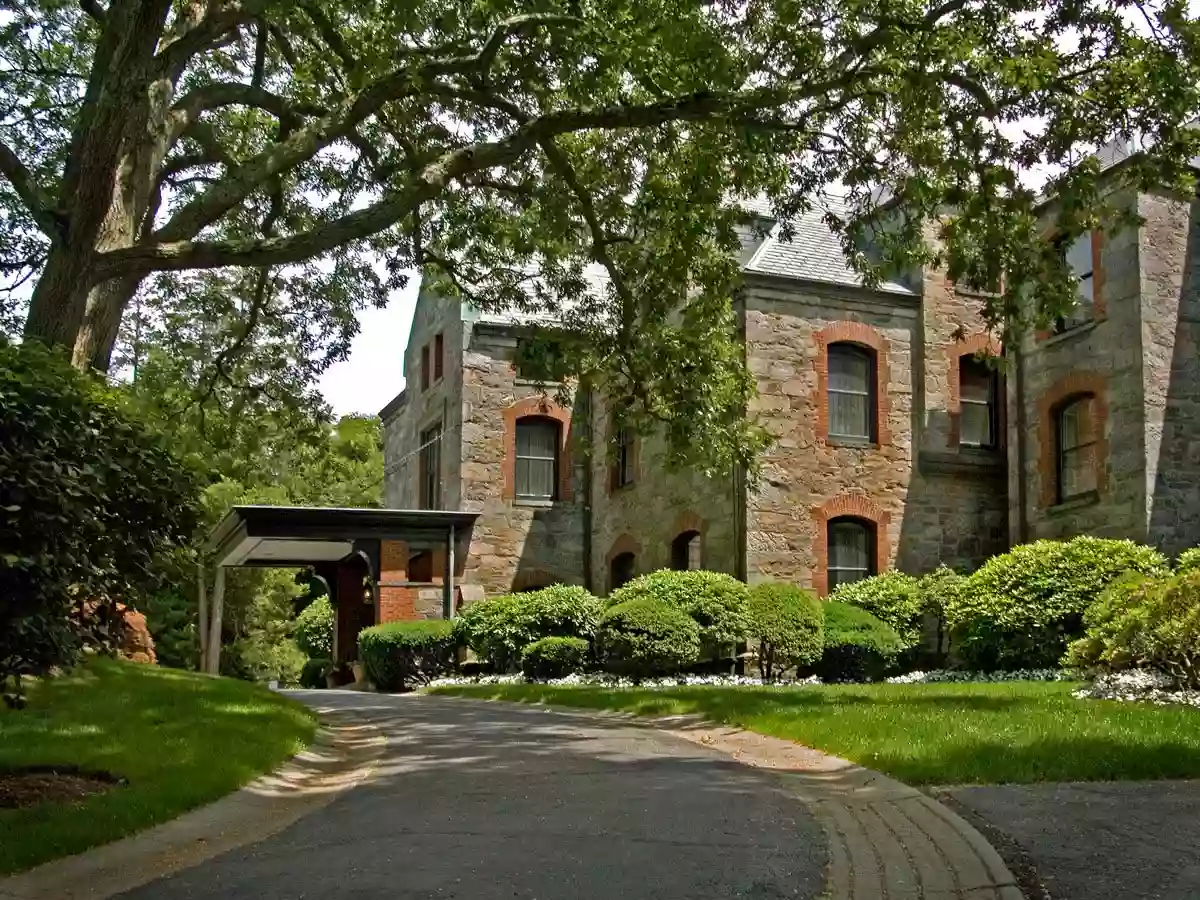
(927, 498)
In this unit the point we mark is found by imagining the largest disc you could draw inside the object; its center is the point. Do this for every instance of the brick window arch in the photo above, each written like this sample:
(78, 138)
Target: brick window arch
(962, 356)
(687, 542)
(849, 508)
(545, 409)
(875, 347)
(1072, 429)
(622, 560)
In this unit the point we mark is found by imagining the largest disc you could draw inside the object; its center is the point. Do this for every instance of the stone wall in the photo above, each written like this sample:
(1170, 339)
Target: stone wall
(1170, 336)
(1104, 356)
(515, 544)
(645, 516)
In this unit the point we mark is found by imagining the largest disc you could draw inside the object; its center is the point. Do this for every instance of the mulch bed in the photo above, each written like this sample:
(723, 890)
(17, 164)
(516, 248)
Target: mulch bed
(30, 786)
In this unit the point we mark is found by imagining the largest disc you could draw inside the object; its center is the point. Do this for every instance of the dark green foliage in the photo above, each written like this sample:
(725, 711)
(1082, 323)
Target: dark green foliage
(314, 629)
(788, 623)
(499, 629)
(646, 637)
(858, 646)
(717, 602)
(938, 591)
(315, 671)
(171, 618)
(1145, 622)
(90, 498)
(554, 657)
(1020, 610)
(400, 655)
(892, 597)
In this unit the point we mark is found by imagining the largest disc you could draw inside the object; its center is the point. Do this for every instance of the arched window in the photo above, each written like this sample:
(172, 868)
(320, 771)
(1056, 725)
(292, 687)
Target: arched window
(979, 421)
(1076, 438)
(621, 570)
(536, 471)
(685, 552)
(851, 392)
(851, 550)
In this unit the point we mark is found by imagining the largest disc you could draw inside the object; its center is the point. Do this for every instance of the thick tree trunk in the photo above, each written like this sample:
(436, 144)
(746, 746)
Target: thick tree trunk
(59, 302)
(97, 336)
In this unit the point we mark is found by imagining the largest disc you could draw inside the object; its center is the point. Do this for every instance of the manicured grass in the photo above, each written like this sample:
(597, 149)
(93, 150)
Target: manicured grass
(180, 739)
(929, 733)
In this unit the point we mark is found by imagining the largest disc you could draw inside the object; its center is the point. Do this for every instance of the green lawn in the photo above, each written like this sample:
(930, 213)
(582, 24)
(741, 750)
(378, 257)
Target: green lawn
(929, 733)
(180, 739)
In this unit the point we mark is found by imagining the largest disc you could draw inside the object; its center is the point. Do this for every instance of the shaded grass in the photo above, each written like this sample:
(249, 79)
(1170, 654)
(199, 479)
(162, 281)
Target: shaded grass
(928, 733)
(179, 738)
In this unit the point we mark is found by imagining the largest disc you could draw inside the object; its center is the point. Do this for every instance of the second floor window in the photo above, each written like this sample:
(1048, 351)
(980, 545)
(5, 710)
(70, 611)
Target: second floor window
(1080, 261)
(851, 392)
(430, 488)
(625, 463)
(536, 473)
(425, 368)
(439, 356)
(979, 424)
(1076, 440)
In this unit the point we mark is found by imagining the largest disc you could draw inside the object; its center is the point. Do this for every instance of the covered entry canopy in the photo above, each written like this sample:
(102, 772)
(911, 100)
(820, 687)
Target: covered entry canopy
(364, 556)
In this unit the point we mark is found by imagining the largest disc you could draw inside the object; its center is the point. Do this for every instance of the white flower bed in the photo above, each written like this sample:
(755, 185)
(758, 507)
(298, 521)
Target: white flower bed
(1138, 686)
(600, 679)
(957, 676)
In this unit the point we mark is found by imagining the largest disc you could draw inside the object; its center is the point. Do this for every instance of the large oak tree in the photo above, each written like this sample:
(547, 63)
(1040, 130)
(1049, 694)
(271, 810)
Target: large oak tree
(502, 147)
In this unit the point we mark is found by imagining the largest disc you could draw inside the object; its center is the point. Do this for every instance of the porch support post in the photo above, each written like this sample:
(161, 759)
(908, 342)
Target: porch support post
(448, 581)
(214, 632)
(202, 625)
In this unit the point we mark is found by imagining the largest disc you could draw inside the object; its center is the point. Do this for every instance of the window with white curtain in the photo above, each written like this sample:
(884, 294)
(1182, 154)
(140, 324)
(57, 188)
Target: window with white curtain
(537, 459)
(851, 392)
(977, 397)
(851, 551)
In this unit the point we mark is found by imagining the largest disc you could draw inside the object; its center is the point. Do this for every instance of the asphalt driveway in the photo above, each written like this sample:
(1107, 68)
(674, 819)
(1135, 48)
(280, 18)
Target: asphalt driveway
(481, 801)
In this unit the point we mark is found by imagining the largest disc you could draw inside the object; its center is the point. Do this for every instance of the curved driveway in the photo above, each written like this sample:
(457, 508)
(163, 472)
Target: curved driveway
(481, 801)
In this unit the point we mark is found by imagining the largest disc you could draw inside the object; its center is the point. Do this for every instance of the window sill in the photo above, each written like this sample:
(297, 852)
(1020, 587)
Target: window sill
(965, 460)
(534, 504)
(853, 443)
(1075, 331)
(1070, 505)
(617, 488)
(520, 381)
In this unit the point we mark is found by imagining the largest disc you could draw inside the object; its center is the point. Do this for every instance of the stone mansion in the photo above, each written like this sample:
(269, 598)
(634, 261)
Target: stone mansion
(895, 445)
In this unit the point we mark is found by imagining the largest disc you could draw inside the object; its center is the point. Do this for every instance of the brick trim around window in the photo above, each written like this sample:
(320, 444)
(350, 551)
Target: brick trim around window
(544, 408)
(1099, 304)
(1076, 384)
(854, 506)
(866, 336)
(988, 345)
(624, 543)
(690, 522)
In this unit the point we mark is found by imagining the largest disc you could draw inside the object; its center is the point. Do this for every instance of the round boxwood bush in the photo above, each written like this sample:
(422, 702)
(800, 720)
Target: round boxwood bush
(715, 601)
(892, 597)
(647, 637)
(315, 671)
(1020, 610)
(858, 646)
(554, 657)
(788, 624)
(314, 629)
(499, 629)
(400, 655)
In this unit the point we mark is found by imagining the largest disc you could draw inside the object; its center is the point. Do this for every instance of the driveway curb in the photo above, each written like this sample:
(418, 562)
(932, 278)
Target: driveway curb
(888, 841)
(342, 755)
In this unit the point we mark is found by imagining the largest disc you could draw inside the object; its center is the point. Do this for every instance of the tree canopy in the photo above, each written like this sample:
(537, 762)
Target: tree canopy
(502, 149)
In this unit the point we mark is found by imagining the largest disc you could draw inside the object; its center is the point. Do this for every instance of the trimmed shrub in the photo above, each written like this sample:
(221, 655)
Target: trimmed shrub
(554, 657)
(1143, 622)
(788, 624)
(715, 601)
(499, 629)
(315, 671)
(1189, 560)
(892, 597)
(647, 637)
(314, 629)
(938, 591)
(399, 655)
(858, 646)
(1020, 610)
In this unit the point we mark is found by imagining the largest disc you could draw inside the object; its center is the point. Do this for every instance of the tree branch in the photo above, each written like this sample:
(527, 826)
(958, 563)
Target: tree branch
(516, 25)
(95, 10)
(36, 201)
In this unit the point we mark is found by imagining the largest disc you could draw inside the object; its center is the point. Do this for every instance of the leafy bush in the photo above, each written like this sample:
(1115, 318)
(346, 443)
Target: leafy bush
(892, 597)
(1189, 560)
(170, 616)
(315, 671)
(398, 655)
(939, 589)
(499, 629)
(1021, 608)
(858, 646)
(646, 637)
(554, 657)
(314, 629)
(262, 657)
(715, 601)
(90, 497)
(1143, 622)
(788, 624)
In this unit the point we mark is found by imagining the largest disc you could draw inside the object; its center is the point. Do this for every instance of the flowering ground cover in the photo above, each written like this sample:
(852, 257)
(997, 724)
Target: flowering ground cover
(932, 733)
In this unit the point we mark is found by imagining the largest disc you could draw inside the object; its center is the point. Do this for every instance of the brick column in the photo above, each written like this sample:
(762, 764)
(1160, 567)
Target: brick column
(348, 601)
(397, 602)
